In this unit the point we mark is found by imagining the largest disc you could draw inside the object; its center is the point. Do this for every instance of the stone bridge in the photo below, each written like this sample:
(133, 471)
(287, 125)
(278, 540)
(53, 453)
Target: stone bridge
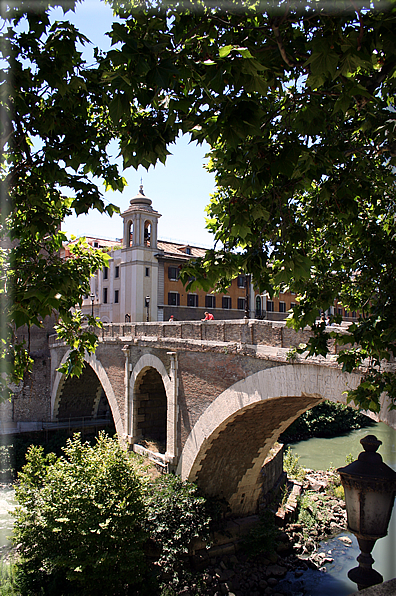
(210, 399)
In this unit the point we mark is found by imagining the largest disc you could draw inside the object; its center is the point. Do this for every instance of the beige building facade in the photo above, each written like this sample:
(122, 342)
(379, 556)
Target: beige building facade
(142, 281)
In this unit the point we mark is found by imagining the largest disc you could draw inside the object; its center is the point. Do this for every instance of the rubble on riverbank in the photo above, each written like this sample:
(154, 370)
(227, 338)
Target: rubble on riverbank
(237, 574)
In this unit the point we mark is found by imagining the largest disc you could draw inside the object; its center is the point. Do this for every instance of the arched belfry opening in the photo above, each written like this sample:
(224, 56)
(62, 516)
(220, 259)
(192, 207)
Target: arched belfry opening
(150, 405)
(129, 233)
(147, 232)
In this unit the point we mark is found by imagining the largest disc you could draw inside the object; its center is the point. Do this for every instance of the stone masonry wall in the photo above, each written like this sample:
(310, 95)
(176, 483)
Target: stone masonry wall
(203, 376)
(33, 400)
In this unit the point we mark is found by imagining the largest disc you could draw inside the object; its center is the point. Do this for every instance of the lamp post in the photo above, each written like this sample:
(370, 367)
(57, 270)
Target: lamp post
(369, 486)
(147, 305)
(92, 296)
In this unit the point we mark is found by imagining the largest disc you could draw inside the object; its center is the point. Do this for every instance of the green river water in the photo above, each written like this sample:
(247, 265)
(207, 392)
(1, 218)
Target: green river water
(319, 454)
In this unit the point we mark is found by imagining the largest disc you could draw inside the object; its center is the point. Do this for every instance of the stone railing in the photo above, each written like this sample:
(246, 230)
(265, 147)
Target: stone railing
(240, 331)
(250, 332)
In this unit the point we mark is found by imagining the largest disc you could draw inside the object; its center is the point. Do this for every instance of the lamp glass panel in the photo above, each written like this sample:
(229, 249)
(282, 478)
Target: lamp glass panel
(352, 502)
(376, 508)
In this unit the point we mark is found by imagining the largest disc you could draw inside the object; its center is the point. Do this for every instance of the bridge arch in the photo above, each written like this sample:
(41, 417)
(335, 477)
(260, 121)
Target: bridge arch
(101, 374)
(225, 450)
(147, 364)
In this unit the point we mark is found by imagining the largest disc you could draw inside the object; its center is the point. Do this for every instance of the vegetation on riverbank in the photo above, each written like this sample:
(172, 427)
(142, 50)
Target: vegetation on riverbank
(327, 419)
(13, 451)
(98, 521)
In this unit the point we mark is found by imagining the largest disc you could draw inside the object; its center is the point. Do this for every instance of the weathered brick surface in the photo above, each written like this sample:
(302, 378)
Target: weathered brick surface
(203, 376)
(33, 401)
(172, 330)
(79, 395)
(151, 407)
(112, 358)
(295, 338)
(191, 331)
(236, 447)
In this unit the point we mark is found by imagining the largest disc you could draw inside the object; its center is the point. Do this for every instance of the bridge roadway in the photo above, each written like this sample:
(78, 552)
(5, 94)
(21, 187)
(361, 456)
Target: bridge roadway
(209, 398)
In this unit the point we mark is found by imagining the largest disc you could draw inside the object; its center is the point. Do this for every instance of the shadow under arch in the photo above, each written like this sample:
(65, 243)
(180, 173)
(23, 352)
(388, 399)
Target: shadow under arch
(225, 450)
(100, 372)
(146, 363)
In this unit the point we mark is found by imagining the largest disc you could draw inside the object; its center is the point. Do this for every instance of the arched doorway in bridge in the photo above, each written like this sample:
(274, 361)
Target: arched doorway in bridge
(150, 404)
(81, 403)
(225, 450)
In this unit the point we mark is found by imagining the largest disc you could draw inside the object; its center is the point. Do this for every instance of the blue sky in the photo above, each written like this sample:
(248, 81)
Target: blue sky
(180, 190)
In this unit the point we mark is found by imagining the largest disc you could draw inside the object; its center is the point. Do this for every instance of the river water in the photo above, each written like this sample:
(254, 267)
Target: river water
(319, 454)
(7, 505)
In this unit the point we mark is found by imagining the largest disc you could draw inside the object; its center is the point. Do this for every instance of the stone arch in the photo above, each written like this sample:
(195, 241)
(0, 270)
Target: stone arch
(225, 450)
(144, 364)
(100, 372)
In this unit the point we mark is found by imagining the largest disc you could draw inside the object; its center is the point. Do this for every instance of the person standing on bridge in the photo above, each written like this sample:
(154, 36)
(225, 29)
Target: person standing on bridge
(208, 316)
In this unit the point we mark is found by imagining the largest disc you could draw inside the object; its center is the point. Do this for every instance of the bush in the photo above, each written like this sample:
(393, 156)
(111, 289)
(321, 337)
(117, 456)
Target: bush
(176, 514)
(327, 419)
(7, 578)
(264, 537)
(291, 466)
(79, 521)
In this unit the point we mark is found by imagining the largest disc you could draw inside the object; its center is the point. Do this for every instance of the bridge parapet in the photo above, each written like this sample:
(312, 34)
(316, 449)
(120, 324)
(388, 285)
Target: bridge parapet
(250, 332)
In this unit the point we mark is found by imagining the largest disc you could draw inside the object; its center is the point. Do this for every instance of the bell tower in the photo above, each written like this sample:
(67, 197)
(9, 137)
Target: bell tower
(139, 266)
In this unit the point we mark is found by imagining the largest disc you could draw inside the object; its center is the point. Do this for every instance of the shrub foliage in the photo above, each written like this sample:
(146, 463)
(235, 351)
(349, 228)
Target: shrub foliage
(327, 419)
(78, 523)
(85, 521)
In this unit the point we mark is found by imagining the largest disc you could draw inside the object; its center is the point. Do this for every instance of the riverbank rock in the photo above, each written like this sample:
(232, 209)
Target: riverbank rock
(238, 575)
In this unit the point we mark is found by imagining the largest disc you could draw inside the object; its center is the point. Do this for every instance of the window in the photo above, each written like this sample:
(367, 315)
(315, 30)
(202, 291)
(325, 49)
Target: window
(117, 271)
(105, 273)
(258, 305)
(104, 295)
(241, 304)
(282, 306)
(116, 296)
(241, 281)
(147, 271)
(353, 314)
(173, 299)
(210, 301)
(339, 311)
(292, 304)
(96, 244)
(188, 251)
(192, 299)
(226, 302)
(173, 273)
(270, 306)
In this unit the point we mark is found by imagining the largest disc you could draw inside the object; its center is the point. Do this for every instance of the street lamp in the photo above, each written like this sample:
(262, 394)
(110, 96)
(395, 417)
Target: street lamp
(92, 296)
(147, 305)
(369, 486)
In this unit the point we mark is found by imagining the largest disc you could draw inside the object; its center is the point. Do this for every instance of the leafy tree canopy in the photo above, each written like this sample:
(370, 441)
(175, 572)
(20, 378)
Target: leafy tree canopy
(296, 100)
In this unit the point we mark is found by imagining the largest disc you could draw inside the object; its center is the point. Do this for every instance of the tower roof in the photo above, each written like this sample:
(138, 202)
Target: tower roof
(140, 198)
